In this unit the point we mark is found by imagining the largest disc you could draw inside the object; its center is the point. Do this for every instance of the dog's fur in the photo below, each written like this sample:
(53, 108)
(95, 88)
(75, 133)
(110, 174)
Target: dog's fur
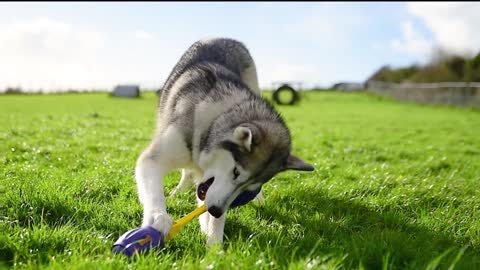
(213, 124)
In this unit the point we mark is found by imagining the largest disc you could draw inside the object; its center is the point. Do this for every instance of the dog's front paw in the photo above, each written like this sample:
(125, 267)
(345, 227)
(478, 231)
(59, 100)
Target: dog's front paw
(159, 220)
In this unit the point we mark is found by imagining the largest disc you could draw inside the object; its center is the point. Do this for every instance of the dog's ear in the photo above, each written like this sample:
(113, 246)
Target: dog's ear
(244, 137)
(295, 163)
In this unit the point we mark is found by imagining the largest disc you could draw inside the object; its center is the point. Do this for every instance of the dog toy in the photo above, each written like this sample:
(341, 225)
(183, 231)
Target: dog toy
(144, 238)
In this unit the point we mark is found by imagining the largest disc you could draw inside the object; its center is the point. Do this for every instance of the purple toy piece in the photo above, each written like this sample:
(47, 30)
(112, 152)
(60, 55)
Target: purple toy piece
(138, 239)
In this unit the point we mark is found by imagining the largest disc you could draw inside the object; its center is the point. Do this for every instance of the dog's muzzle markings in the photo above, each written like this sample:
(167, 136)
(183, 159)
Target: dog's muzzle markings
(203, 188)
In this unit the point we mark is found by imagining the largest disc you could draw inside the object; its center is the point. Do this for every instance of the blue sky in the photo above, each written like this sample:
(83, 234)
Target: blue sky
(61, 45)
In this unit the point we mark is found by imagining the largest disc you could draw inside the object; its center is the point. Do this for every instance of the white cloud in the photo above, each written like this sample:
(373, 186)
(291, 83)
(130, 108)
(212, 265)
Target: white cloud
(48, 54)
(47, 34)
(413, 42)
(454, 25)
(143, 35)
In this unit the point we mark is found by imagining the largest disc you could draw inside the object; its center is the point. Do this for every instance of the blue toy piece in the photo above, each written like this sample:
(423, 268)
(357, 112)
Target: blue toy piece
(138, 239)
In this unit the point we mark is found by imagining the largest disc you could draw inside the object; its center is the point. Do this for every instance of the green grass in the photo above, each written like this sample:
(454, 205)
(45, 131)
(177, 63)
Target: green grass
(395, 187)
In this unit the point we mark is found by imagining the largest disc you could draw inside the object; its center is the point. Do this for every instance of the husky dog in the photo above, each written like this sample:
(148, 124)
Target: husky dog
(213, 124)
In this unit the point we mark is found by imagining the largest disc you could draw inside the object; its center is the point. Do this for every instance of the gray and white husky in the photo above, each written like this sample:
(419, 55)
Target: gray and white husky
(213, 124)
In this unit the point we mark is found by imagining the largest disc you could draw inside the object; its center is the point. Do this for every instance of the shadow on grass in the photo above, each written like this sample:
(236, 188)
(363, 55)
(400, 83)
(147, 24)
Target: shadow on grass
(345, 227)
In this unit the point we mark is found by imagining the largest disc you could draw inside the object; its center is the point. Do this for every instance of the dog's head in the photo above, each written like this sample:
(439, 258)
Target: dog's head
(244, 158)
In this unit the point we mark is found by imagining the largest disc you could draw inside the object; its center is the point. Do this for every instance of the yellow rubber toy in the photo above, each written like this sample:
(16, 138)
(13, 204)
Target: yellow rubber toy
(177, 226)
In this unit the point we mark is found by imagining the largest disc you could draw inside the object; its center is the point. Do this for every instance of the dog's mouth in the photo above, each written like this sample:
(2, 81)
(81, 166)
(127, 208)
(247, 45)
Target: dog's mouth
(203, 188)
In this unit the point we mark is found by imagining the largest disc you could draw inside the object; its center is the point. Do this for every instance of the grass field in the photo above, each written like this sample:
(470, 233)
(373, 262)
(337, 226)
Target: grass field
(396, 186)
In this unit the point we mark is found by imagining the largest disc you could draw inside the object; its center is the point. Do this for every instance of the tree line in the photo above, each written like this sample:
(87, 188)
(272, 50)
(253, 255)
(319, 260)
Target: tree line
(443, 67)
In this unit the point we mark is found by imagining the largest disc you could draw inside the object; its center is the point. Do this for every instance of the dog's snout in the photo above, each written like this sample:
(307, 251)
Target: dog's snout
(215, 211)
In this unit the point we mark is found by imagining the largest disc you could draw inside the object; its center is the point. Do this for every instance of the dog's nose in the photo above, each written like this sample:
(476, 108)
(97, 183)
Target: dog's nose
(215, 211)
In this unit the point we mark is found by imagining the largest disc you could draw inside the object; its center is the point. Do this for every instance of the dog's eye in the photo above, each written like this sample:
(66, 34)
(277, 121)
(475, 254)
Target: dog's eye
(236, 173)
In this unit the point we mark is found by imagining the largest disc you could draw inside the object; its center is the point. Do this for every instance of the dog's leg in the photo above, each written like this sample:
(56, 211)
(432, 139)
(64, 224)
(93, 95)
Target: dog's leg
(185, 182)
(259, 197)
(203, 218)
(149, 174)
(166, 152)
(249, 77)
(215, 230)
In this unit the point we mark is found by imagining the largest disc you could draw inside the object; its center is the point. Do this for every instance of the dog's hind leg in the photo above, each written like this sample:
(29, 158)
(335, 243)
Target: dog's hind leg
(185, 182)
(249, 77)
(259, 198)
